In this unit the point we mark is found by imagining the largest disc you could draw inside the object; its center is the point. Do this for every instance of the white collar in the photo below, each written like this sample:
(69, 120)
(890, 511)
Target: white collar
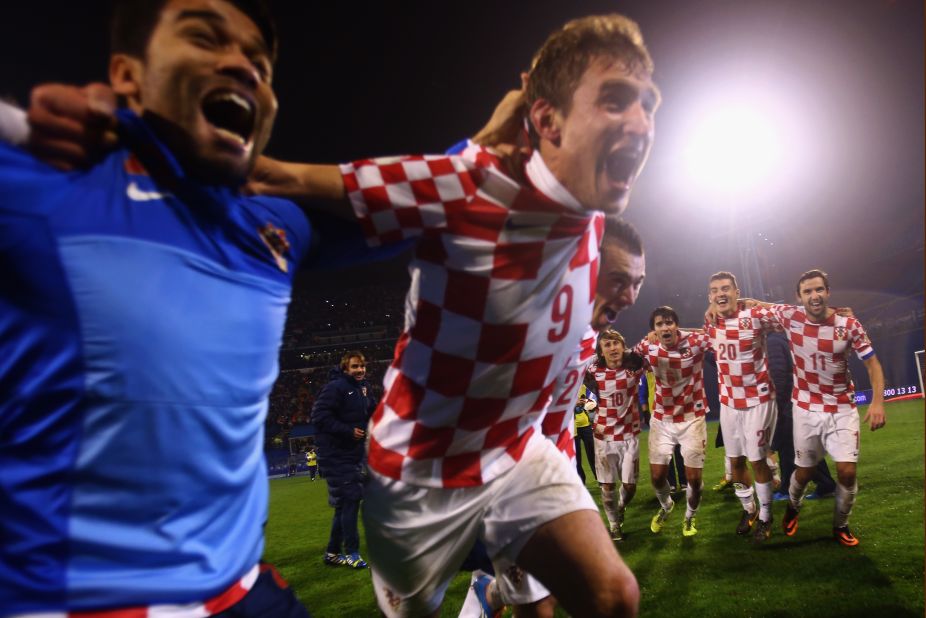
(545, 182)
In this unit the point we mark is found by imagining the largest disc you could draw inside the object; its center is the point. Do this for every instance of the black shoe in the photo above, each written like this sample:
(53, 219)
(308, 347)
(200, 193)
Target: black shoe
(747, 519)
(763, 531)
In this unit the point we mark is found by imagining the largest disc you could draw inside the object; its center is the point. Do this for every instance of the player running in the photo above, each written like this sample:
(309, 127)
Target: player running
(747, 397)
(617, 448)
(502, 292)
(826, 419)
(677, 360)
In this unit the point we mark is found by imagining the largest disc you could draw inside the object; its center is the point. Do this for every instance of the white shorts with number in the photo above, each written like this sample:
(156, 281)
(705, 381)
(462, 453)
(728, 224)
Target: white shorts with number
(617, 460)
(515, 585)
(748, 432)
(816, 433)
(691, 435)
(417, 537)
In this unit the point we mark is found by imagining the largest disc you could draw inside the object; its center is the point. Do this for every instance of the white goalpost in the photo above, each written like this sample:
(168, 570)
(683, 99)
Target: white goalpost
(919, 368)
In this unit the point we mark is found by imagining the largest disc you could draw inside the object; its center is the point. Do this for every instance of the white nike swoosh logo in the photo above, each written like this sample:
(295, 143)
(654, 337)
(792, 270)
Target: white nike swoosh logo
(351, 393)
(137, 195)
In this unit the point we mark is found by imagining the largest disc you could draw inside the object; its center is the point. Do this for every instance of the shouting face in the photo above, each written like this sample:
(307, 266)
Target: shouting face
(205, 83)
(598, 146)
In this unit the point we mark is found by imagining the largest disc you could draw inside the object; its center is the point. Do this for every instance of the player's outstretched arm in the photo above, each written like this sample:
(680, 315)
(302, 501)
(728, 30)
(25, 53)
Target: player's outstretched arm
(875, 415)
(322, 185)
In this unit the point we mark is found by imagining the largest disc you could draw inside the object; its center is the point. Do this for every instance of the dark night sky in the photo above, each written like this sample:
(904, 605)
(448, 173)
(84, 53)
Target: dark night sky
(361, 79)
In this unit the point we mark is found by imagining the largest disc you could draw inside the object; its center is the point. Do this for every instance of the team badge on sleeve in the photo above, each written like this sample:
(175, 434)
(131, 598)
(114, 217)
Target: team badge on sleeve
(275, 239)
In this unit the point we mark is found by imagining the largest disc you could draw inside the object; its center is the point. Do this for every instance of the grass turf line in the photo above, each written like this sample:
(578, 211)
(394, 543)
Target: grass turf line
(714, 573)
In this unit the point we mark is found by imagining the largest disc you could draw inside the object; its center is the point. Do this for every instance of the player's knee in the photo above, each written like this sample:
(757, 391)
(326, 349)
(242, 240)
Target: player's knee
(620, 598)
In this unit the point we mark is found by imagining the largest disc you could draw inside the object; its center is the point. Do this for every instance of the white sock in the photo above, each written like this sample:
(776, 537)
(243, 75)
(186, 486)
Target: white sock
(727, 469)
(764, 492)
(664, 495)
(796, 491)
(607, 500)
(744, 493)
(845, 500)
(624, 499)
(691, 510)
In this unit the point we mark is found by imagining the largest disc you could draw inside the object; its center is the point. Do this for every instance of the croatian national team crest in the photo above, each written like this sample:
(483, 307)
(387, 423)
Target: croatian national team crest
(840, 333)
(275, 239)
(686, 353)
(745, 323)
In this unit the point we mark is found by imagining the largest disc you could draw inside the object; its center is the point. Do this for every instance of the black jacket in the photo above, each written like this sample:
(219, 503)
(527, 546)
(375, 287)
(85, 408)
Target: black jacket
(343, 404)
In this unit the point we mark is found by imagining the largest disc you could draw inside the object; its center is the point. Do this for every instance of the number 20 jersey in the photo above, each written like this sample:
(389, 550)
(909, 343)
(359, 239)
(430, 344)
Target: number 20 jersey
(742, 360)
(821, 353)
(502, 286)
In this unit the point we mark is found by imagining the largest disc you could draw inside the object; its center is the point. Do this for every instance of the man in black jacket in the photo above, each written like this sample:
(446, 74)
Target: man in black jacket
(340, 416)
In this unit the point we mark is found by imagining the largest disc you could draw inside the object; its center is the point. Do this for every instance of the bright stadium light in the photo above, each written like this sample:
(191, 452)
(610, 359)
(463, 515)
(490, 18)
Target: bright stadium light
(739, 148)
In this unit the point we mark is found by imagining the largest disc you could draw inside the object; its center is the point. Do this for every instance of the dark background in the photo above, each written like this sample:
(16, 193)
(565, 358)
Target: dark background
(362, 79)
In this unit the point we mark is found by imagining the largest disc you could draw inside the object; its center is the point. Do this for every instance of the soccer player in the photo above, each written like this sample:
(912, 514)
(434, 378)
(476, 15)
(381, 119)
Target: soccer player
(747, 396)
(677, 360)
(617, 448)
(620, 278)
(144, 301)
(502, 292)
(825, 417)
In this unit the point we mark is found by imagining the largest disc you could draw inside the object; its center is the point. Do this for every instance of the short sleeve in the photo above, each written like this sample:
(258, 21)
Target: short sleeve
(768, 319)
(860, 341)
(399, 198)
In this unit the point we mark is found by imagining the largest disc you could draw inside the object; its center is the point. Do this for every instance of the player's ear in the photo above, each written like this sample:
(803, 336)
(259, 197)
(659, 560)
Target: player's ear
(125, 74)
(547, 121)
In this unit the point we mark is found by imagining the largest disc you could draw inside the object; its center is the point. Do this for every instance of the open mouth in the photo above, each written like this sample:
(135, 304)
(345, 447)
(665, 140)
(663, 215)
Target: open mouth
(231, 114)
(622, 165)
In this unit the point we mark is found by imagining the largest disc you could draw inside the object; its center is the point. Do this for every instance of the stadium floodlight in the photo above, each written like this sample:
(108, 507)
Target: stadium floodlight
(741, 145)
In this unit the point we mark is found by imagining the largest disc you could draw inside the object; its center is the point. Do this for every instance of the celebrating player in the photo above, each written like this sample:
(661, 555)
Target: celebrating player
(677, 360)
(747, 396)
(825, 417)
(617, 449)
(502, 291)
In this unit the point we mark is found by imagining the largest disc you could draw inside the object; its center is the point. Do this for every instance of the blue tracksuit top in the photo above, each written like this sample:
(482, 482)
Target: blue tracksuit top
(140, 326)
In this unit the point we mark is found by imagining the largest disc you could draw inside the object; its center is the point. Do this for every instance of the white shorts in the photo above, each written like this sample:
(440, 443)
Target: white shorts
(515, 585)
(617, 460)
(691, 435)
(819, 432)
(417, 537)
(748, 432)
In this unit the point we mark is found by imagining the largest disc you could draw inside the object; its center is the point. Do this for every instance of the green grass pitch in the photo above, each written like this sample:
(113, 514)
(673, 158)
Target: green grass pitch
(714, 573)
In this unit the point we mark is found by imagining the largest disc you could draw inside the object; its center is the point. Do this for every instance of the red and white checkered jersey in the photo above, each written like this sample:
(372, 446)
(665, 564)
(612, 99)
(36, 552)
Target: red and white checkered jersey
(559, 422)
(679, 375)
(502, 286)
(821, 353)
(618, 406)
(742, 361)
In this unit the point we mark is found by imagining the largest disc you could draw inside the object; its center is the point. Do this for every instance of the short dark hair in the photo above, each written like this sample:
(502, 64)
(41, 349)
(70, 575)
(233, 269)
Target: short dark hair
(620, 230)
(345, 360)
(665, 312)
(811, 274)
(723, 274)
(133, 21)
(562, 60)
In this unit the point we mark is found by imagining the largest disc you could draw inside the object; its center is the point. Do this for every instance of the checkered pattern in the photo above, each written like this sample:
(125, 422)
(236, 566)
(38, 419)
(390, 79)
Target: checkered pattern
(503, 281)
(219, 603)
(618, 408)
(679, 375)
(820, 351)
(559, 422)
(742, 361)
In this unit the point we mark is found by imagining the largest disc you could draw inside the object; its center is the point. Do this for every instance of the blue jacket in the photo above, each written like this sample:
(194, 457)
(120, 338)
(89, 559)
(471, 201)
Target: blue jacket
(340, 407)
